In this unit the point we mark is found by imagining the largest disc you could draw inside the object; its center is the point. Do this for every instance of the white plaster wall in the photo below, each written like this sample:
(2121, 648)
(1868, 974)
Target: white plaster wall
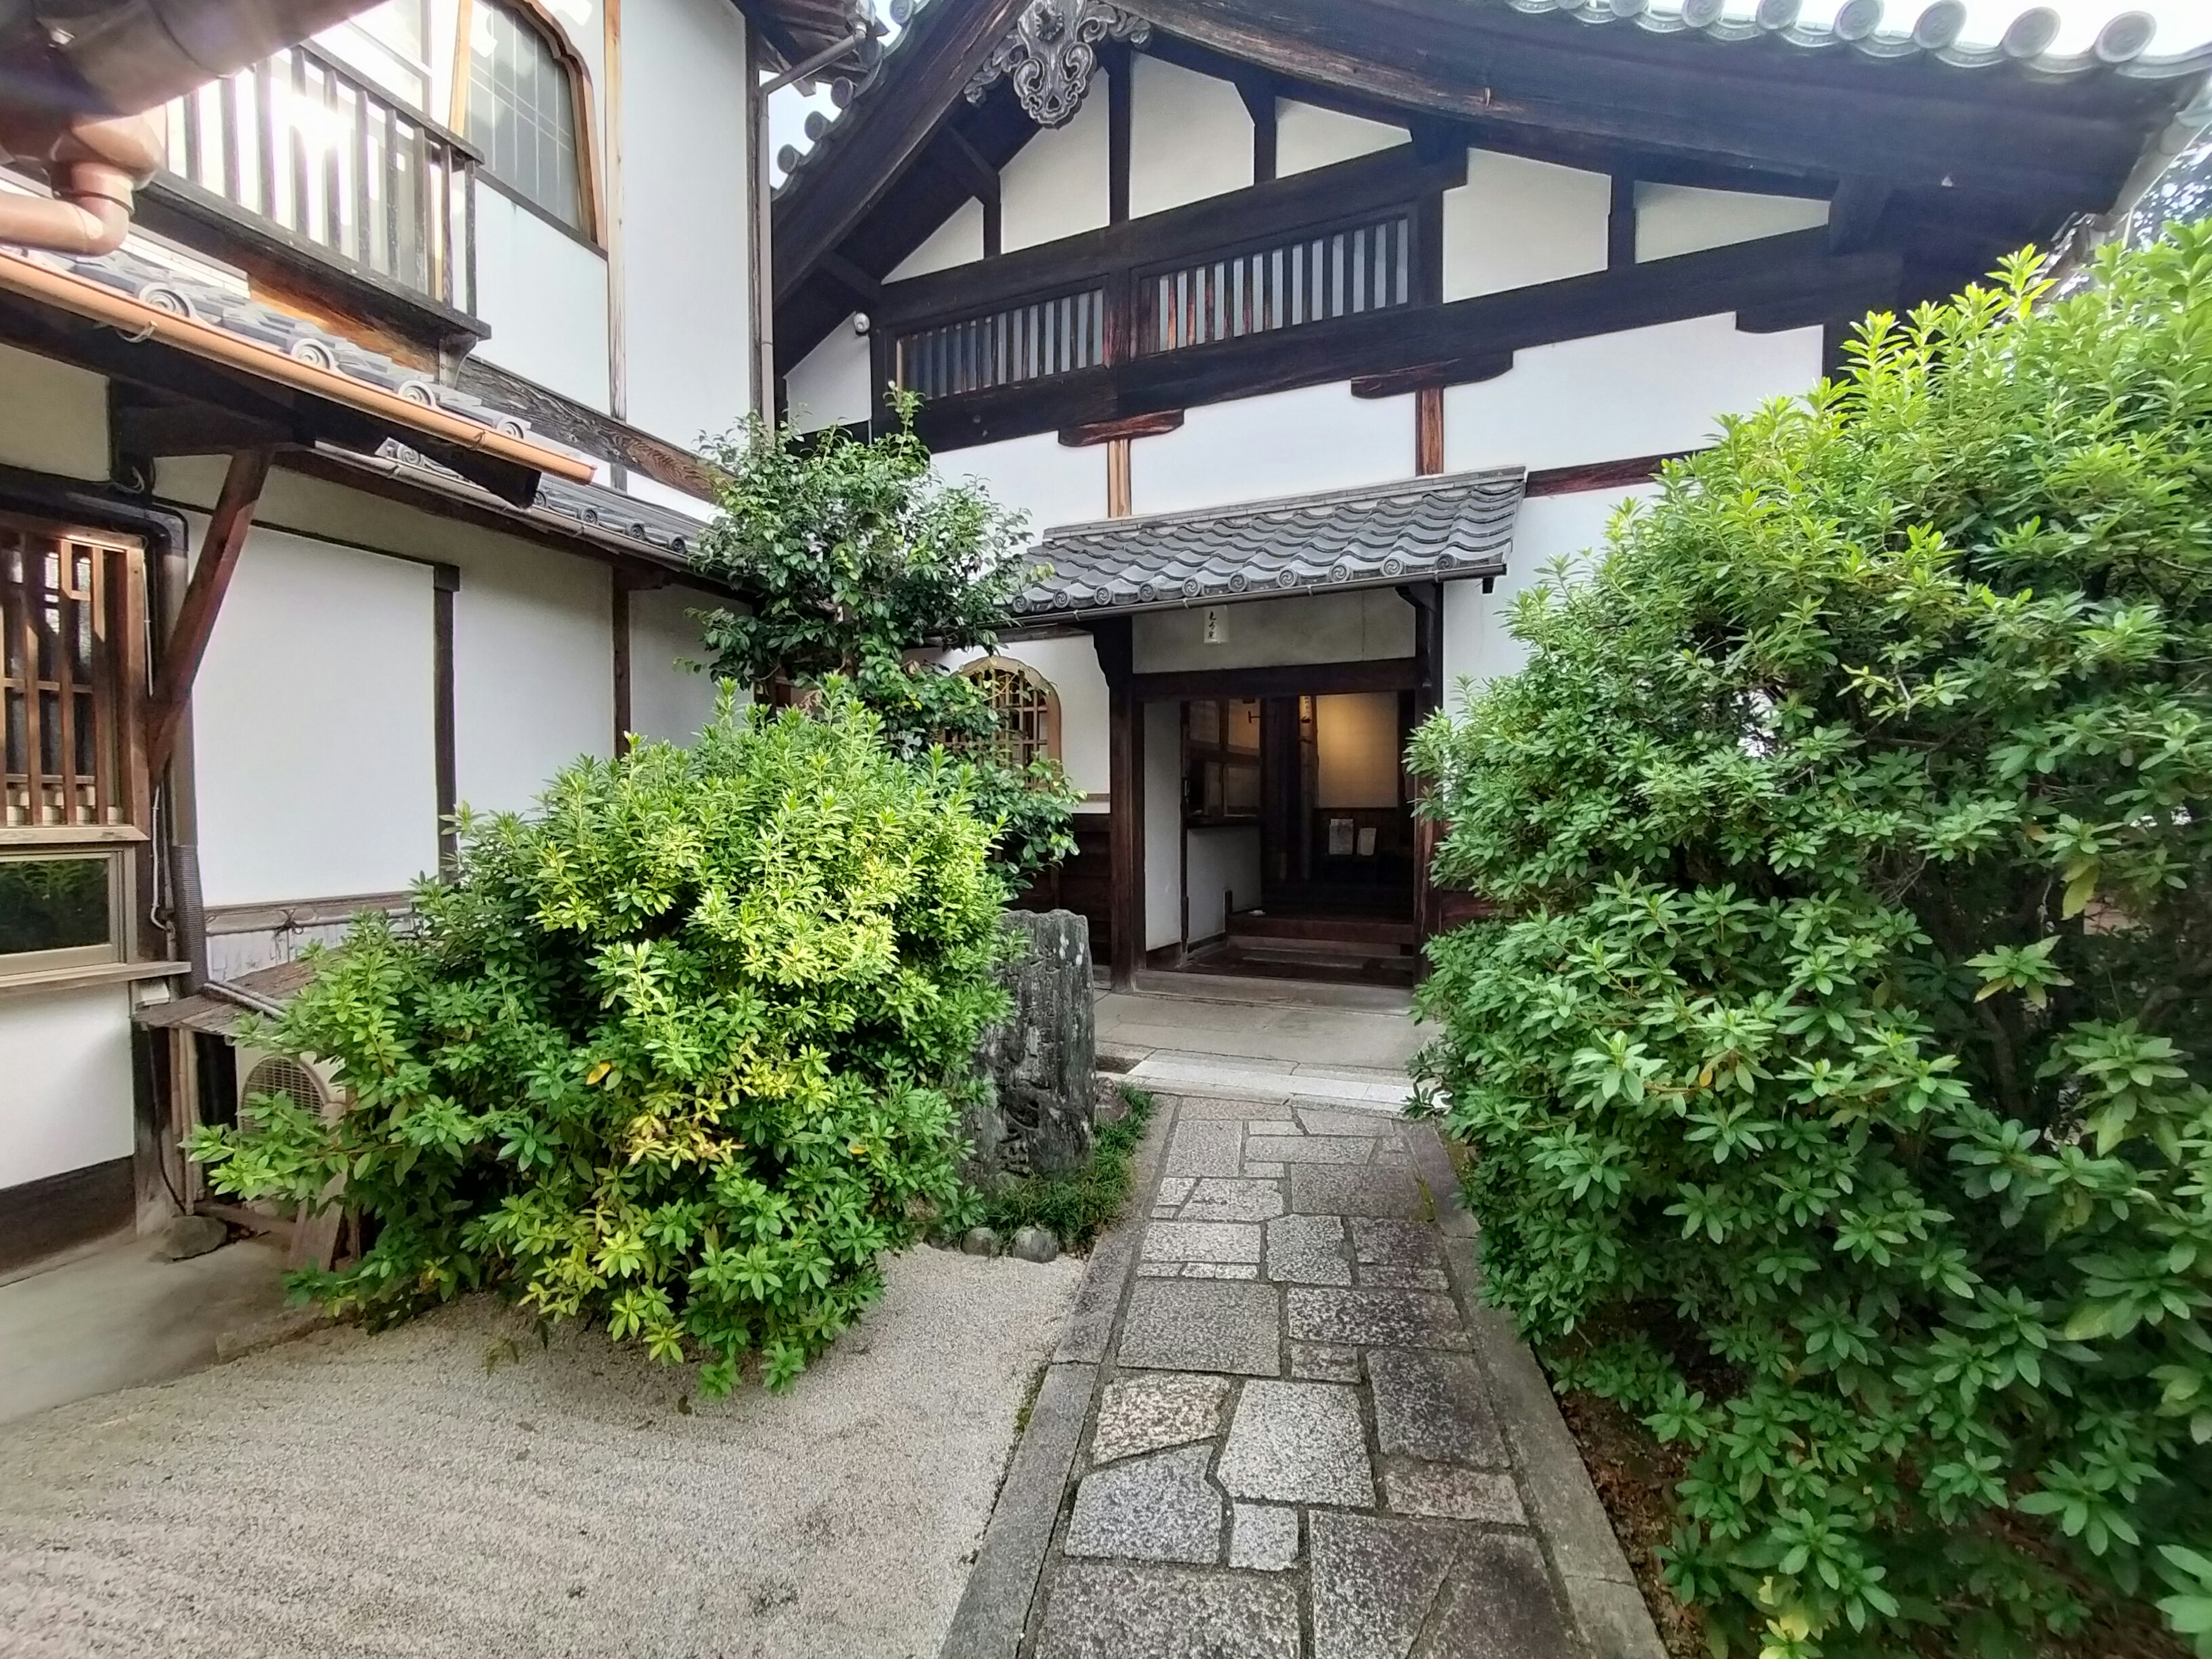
(1477, 645)
(545, 296)
(685, 209)
(958, 242)
(1286, 443)
(1071, 667)
(66, 1054)
(1190, 136)
(1672, 219)
(1163, 824)
(1307, 137)
(1356, 627)
(1646, 391)
(1056, 184)
(533, 671)
(1038, 476)
(53, 418)
(1516, 223)
(1356, 744)
(676, 501)
(667, 699)
(1221, 861)
(313, 722)
(829, 386)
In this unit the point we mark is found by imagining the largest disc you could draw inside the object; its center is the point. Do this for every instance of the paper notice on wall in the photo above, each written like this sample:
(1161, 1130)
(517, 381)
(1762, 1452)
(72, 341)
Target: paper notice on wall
(1367, 841)
(1339, 838)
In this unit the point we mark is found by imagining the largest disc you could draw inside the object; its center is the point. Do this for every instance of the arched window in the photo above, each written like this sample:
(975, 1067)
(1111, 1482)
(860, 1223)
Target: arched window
(523, 115)
(1028, 709)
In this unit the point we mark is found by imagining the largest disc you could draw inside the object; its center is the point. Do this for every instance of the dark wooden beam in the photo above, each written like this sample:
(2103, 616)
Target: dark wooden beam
(187, 645)
(446, 581)
(1258, 92)
(871, 148)
(1429, 431)
(1493, 66)
(1853, 211)
(952, 151)
(1114, 640)
(1776, 282)
(865, 290)
(1620, 223)
(1290, 680)
(1121, 75)
(1598, 474)
(1421, 377)
(1137, 426)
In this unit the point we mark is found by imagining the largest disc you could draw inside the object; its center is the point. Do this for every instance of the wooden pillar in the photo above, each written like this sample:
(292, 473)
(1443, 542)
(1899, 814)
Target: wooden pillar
(1427, 599)
(1112, 638)
(446, 581)
(1429, 431)
(1620, 224)
(619, 608)
(187, 643)
(1115, 59)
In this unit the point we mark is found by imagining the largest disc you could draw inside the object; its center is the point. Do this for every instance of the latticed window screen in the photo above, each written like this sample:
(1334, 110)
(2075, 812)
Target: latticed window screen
(61, 619)
(1341, 273)
(522, 112)
(1028, 713)
(1030, 342)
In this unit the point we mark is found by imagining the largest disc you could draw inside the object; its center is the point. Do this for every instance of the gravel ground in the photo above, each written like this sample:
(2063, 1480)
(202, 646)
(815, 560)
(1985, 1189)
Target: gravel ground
(388, 1495)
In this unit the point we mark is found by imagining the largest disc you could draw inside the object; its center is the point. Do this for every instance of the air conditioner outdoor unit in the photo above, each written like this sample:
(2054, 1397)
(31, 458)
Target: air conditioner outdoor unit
(313, 1084)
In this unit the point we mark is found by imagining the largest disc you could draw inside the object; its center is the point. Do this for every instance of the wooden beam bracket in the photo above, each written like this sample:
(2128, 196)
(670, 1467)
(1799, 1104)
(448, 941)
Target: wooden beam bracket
(187, 645)
(1093, 433)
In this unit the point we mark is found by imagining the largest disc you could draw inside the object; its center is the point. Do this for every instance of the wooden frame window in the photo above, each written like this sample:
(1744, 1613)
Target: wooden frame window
(1221, 761)
(1028, 709)
(62, 910)
(521, 96)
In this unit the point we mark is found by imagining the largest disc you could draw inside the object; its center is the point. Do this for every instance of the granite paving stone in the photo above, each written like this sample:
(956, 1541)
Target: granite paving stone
(1223, 1198)
(1221, 1270)
(1095, 1610)
(1310, 1149)
(1497, 1604)
(1190, 1325)
(1402, 1243)
(1324, 1361)
(1434, 1406)
(1390, 1276)
(1263, 1537)
(1202, 1241)
(1357, 1190)
(1204, 1148)
(1256, 1167)
(1160, 1507)
(1329, 1121)
(1159, 1270)
(1398, 1319)
(1173, 1189)
(1297, 1443)
(1270, 1126)
(1153, 1411)
(1448, 1490)
(1374, 1581)
(1308, 1249)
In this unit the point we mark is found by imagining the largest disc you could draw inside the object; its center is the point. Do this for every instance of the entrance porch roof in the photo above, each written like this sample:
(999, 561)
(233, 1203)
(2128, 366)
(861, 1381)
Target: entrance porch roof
(1426, 530)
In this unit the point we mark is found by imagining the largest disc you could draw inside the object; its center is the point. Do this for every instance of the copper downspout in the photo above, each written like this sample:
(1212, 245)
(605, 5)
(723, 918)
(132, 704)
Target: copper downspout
(144, 322)
(95, 164)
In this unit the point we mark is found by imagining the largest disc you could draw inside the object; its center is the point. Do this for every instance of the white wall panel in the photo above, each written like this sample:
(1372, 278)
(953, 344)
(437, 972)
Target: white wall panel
(1307, 137)
(533, 671)
(1477, 645)
(668, 699)
(1220, 861)
(1646, 391)
(1287, 443)
(829, 386)
(1163, 824)
(685, 217)
(1038, 474)
(314, 721)
(1518, 223)
(1056, 184)
(958, 242)
(1672, 219)
(1071, 667)
(53, 418)
(1190, 136)
(545, 296)
(1356, 627)
(661, 494)
(66, 1054)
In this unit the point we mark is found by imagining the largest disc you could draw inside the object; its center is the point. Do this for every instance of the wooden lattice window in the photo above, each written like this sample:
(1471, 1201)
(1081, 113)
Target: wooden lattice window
(1027, 706)
(70, 630)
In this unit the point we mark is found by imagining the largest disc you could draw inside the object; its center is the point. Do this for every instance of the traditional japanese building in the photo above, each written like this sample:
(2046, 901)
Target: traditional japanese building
(349, 466)
(1309, 334)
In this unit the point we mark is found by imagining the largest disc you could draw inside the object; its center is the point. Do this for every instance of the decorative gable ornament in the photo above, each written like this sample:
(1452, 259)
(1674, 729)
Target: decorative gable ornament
(1051, 53)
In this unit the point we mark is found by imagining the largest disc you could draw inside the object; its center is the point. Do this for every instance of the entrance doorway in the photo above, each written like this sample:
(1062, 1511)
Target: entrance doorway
(1299, 856)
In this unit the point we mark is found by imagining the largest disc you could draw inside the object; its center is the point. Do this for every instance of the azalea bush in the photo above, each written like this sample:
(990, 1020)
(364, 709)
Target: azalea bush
(1835, 1072)
(681, 1052)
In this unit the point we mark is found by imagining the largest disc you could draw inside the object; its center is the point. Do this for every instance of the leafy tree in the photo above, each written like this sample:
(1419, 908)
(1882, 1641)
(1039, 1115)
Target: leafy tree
(859, 557)
(681, 1051)
(1837, 1072)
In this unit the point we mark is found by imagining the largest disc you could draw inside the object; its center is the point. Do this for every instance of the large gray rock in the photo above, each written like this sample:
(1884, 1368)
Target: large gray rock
(189, 1235)
(1042, 1106)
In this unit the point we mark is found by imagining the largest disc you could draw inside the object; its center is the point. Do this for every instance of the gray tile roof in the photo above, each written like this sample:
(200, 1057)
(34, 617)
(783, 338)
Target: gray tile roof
(1427, 529)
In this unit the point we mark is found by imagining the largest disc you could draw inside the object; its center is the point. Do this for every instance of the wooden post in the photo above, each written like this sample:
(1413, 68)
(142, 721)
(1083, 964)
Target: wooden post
(620, 608)
(1620, 224)
(188, 640)
(1116, 59)
(1112, 638)
(1427, 599)
(446, 581)
(1429, 431)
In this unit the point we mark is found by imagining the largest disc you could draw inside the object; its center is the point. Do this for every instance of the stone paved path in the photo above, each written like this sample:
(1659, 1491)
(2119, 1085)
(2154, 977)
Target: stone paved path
(1285, 1438)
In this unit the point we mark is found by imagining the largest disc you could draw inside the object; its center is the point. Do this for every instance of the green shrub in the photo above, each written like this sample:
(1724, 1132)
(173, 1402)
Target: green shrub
(679, 1052)
(1835, 1074)
(1079, 1206)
